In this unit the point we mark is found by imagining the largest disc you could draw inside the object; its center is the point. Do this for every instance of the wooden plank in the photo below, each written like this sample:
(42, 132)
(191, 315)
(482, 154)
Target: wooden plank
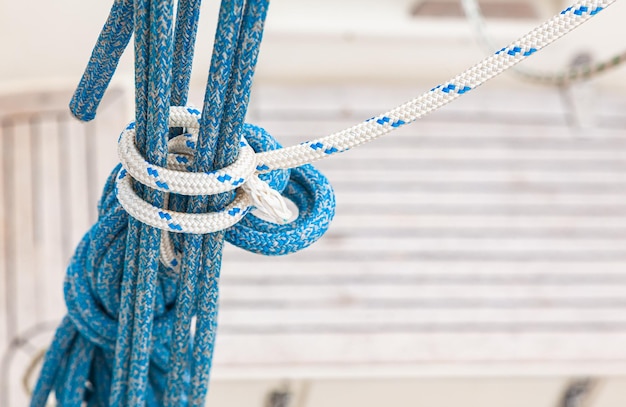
(346, 318)
(55, 225)
(334, 294)
(22, 103)
(78, 188)
(5, 162)
(374, 243)
(287, 270)
(519, 198)
(342, 178)
(473, 133)
(333, 98)
(480, 349)
(434, 225)
(23, 230)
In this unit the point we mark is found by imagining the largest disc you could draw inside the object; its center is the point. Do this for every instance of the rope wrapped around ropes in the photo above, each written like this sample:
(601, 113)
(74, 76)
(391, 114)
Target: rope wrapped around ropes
(559, 78)
(135, 282)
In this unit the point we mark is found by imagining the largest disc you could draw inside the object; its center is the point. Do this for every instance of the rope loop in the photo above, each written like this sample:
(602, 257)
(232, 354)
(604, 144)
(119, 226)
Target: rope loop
(306, 187)
(177, 178)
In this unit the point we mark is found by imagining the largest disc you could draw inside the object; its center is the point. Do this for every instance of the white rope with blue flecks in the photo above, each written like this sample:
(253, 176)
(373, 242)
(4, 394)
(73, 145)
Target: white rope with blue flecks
(177, 178)
(576, 73)
(242, 175)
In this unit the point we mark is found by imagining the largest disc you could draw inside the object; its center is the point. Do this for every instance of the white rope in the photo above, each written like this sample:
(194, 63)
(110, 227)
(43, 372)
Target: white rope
(437, 97)
(243, 174)
(166, 219)
(177, 178)
(574, 74)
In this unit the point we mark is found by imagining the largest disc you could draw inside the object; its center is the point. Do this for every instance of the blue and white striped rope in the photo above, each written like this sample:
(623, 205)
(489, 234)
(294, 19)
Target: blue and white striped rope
(574, 74)
(438, 96)
(181, 179)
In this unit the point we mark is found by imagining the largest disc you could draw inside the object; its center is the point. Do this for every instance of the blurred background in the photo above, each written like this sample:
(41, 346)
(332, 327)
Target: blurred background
(477, 258)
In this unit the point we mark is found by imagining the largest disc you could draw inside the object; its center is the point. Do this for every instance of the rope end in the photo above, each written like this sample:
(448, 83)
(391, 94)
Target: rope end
(267, 200)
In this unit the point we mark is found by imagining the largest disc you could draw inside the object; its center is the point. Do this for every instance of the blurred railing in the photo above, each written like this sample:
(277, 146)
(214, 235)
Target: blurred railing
(51, 172)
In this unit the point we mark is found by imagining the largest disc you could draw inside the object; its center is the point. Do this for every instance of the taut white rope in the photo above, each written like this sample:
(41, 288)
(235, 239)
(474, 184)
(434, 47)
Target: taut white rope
(437, 97)
(574, 74)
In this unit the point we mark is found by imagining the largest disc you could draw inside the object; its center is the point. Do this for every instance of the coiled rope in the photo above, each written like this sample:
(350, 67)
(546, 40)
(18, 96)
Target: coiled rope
(559, 78)
(134, 283)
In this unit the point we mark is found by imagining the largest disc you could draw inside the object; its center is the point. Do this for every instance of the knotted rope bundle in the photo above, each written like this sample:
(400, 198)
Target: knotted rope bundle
(126, 338)
(131, 290)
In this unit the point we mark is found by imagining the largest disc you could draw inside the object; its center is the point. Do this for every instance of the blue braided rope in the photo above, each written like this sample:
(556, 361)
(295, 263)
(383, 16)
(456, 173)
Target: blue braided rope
(159, 67)
(188, 14)
(104, 59)
(220, 71)
(227, 147)
(127, 329)
(123, 348)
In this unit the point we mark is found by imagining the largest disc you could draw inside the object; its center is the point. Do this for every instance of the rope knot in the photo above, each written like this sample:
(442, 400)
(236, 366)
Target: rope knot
(177, 178)
(256, 187)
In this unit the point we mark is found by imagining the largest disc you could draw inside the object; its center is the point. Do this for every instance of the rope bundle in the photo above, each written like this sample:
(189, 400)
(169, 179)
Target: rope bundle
(131, 290)
(126, 339)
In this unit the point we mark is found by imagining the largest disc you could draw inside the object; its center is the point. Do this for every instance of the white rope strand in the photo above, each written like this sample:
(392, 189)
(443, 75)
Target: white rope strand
(437, 97)
(574, 74)
(243, 174)
(178, 178)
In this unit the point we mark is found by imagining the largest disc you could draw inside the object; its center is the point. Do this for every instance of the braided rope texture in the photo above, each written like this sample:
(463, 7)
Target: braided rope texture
(559, 78)
(126, 340)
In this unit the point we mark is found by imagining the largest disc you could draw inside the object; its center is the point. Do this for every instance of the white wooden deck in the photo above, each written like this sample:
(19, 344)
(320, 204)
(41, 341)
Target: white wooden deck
(496, 246)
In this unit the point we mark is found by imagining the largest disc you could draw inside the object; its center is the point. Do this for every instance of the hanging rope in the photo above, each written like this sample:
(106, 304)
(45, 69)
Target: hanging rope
(574, 74)
(190, 179)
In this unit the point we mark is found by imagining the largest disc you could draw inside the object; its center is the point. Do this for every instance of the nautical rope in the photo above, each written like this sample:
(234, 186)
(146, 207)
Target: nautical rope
(573, 74)
(127, 332)
(241, 173)
(311, 151)
(132, 289)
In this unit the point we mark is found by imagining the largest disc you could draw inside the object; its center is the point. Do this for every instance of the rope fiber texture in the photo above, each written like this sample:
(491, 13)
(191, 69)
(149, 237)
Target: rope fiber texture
(133, 285)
